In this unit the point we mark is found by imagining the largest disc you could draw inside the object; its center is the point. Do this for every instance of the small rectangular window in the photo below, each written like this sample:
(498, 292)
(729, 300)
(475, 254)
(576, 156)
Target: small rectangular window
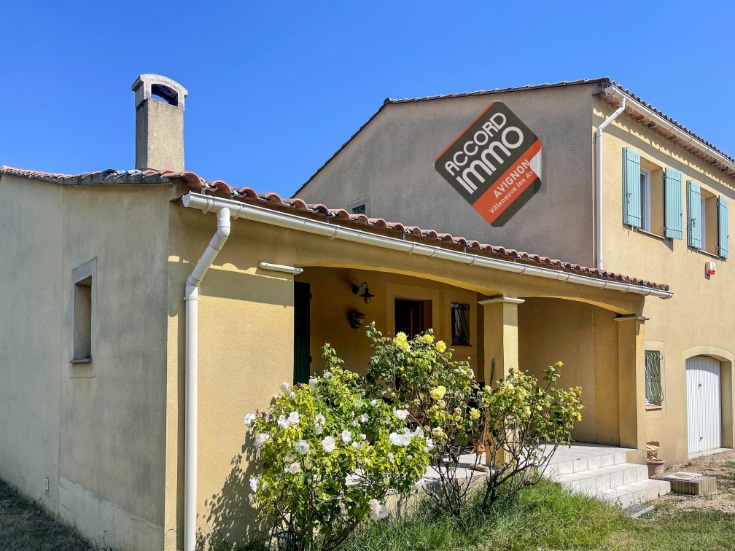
(460, 324)
(359, 209)
(654, 384)
(83, 320)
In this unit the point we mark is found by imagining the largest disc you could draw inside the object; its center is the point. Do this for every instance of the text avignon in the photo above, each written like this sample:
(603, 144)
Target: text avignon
(491, 158)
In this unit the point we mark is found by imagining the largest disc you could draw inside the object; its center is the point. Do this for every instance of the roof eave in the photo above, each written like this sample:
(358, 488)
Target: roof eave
(634, 108)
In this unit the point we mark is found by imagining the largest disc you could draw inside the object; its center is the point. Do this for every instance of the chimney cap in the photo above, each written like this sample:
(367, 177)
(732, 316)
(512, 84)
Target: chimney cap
(149, 84)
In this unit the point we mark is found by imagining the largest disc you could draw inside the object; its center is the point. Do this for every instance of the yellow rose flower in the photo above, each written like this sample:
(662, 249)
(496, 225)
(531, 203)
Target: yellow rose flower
(559, 364)
(441, 347)
(474, 414)
(438, 392)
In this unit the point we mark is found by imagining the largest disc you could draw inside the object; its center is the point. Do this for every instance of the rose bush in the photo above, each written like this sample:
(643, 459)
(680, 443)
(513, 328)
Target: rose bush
(526, 422)
(518, 422)
(328, 456)
(419, 377)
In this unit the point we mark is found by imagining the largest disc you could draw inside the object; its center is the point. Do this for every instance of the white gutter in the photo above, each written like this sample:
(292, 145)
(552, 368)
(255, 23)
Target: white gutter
(191, 297)
(598, 184)
(208, 203)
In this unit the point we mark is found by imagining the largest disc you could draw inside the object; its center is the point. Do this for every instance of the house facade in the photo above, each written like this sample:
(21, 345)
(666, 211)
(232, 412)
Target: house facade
(624, 188)
(148, 310)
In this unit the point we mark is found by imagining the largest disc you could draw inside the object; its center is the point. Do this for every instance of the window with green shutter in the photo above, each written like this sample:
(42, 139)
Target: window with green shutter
(694, 215)
(722, 230)
(673, 205)
(631, 188)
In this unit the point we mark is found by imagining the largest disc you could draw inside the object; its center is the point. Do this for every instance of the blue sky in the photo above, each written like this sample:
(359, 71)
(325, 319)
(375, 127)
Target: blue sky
(275, 88)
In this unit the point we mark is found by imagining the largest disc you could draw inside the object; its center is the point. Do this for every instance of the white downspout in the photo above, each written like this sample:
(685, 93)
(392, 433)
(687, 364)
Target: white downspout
(191, 297)
(598, 184)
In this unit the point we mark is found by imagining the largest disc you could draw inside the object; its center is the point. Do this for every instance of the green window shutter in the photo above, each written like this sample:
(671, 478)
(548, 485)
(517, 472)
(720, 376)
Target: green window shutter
(694, 211)
(673, 208)
(722, 227)
(631, 188)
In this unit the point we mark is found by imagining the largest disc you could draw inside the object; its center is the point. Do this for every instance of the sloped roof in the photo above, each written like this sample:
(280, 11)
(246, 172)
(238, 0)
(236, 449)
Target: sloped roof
(699, 147)
(191, 181)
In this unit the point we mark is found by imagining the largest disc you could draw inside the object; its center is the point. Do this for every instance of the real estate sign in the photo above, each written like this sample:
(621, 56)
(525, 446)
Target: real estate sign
(495, 164)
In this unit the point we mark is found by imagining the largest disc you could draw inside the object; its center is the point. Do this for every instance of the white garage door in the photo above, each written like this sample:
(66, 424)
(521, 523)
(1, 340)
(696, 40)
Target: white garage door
(703, 404)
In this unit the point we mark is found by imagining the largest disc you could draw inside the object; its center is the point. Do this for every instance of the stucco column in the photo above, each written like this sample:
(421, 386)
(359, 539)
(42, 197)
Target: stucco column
(632, 382)
(500, 336)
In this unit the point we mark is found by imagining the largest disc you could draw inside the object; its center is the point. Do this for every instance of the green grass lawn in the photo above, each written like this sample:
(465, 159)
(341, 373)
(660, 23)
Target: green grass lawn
(543, 517)
(546, 517)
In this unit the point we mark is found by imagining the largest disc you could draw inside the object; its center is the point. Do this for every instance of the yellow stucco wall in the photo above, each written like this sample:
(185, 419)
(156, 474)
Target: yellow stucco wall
(700, 313)
(584, 338)
(93, 429)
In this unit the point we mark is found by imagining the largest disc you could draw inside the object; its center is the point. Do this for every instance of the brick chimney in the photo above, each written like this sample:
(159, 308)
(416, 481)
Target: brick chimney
(159, 123)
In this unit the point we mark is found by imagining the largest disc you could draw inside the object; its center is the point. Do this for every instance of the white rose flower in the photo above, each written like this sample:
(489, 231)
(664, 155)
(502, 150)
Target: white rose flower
(294, 468)
(249, 418)
(346, 436)
(261, 439)
(400, 413)
(254, 482)
(394, 438)
(363, 436)
(282, 422)
(284, 387)
(379, 512)
(430, 443)
(328, 444)
(327, 375)
(391, 458)
(251, 500)
(294, 418)
(312, 383)
(364, 417)
(289, 458)
(302, 446)
(373, 504)
(406, 439)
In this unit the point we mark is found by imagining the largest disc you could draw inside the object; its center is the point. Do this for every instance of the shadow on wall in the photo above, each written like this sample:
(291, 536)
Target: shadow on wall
(231, 521)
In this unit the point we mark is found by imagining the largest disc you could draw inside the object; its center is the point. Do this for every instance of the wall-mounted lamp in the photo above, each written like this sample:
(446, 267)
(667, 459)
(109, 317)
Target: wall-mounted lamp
(355, 319)
(366, 294)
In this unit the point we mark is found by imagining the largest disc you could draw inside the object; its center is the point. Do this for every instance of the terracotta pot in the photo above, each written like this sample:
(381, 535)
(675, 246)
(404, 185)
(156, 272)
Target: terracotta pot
(655, 467)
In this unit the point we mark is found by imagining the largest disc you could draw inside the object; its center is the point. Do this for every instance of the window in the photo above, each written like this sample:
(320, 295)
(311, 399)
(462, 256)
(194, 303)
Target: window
(82, 305)
(654, 384)
(360, 206)
(460, 324)
(652, 196)
(412, 316)
(83, 320)
(707, 225)
(645, 191)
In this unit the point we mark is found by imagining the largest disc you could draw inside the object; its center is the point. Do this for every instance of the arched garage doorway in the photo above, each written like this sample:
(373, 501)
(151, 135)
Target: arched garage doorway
(704, 407)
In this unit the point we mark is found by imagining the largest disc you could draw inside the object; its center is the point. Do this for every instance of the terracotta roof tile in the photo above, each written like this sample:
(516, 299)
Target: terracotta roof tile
(192, 182)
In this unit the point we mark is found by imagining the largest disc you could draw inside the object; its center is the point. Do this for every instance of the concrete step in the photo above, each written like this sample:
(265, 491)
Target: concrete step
(581, 464)
(606, 475)
(628, 495)
(603, 478)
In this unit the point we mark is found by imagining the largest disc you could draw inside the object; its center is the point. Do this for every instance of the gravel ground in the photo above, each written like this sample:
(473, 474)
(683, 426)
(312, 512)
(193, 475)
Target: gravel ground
(720, 465)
